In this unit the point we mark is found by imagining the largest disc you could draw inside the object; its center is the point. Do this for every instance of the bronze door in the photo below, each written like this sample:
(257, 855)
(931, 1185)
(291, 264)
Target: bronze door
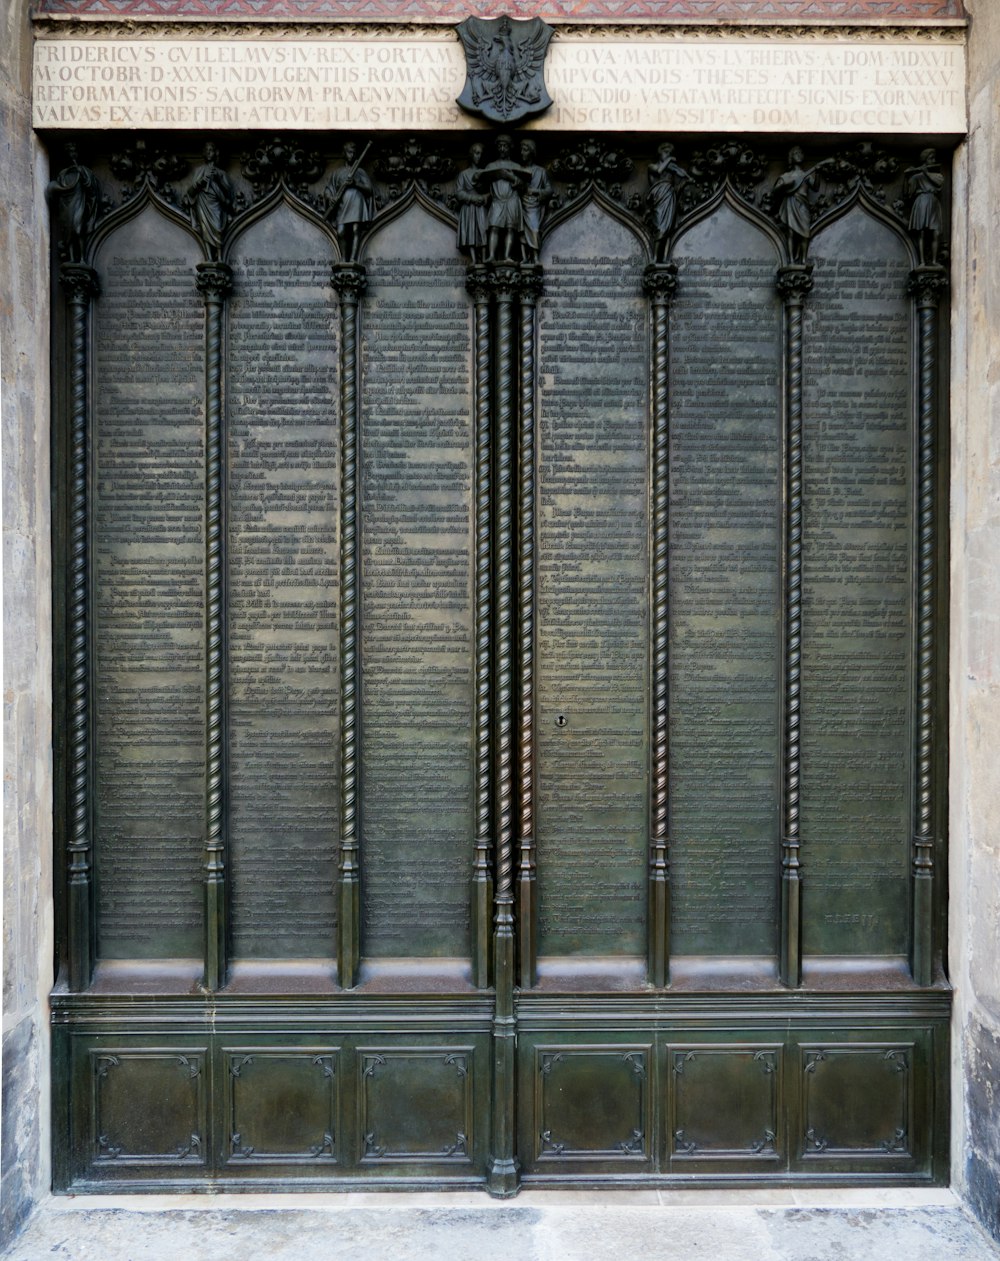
(500, 649)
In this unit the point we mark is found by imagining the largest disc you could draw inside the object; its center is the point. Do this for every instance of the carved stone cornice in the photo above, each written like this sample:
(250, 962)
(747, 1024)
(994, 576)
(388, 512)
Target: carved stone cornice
(66, 26)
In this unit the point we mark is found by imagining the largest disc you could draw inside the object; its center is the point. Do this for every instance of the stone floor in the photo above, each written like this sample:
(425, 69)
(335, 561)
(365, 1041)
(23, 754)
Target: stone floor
(537, 1226)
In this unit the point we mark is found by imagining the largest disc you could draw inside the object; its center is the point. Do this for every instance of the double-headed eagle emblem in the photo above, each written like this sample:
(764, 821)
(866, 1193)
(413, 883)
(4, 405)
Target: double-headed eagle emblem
(505, 67)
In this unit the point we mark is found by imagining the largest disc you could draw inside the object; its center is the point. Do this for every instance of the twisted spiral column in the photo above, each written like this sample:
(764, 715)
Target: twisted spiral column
(214, 281)
(503, 1167)
(80, 284)
(794, 282)
(530, 284)
(927, 284)
(660, 284)
(477, 283)
(349, 279)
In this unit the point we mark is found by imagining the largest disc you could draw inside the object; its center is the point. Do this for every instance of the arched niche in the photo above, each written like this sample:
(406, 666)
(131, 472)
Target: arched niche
(148, 573)
(283, 599)
(416, 482)
(857, 591)
(592, 616)
(725, 389)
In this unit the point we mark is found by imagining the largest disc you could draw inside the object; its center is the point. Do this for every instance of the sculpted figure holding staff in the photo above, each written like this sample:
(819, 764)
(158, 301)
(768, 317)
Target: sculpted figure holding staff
(350, 201)
(471, 208)
(211, 200)
(796, 192)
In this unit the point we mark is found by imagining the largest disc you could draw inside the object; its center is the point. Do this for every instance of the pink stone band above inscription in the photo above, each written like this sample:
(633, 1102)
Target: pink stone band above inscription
(863, 12)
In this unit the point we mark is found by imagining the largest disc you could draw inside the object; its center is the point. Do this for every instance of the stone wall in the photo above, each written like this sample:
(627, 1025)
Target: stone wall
(975, 650)
(27, 795)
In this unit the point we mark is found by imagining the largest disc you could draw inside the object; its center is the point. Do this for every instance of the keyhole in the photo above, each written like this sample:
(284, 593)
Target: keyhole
(561, 720)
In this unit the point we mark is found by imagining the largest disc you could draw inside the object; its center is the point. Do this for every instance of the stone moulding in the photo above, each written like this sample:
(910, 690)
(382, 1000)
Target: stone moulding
(448, 12)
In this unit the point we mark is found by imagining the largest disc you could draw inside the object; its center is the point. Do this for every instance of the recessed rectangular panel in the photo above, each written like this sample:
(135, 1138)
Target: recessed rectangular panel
(856, 572)
(416, 1104)
(148, 1106)
(417, 612)
(725, 572)
(592, 592)
(857, 1101)
(148, 558)
(591, 1104)
(282, 1105)
(283, 594)
(725, 1103)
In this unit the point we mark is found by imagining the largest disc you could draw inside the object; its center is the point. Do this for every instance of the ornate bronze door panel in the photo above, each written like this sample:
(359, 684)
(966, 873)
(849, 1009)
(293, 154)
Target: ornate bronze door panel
(500, 637)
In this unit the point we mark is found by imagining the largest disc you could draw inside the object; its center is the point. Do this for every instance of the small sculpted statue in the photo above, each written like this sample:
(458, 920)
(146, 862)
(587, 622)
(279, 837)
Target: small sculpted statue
(350, 201)
(472, 228)
(924, 183)
(795, 192)
(211, 200)
(75, 198)
(664, 176)
(505, 179)
(534, 199)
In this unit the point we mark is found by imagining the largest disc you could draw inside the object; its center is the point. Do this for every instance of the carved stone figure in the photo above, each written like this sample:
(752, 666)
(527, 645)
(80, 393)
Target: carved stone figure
(505, 217)
(924, 184)
(350, 201)
(533, 201)
(504, 66)
(75, 198)
(795, 192)
(211, 200)
(664, 176)
(472, 227)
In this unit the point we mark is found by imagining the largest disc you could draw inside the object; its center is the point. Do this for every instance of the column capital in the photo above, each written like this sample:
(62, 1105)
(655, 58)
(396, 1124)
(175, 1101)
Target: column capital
(214, 280)
(928, 284)
(794, 281)
(659, 281)
(349, 279)
(79, 280)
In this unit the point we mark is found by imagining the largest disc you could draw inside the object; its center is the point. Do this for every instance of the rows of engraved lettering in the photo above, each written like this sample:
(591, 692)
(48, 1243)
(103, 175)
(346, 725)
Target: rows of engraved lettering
(416, 502)
(283, 434)
(856, 650)
(149, 589)
(724, 597)
(592, 604)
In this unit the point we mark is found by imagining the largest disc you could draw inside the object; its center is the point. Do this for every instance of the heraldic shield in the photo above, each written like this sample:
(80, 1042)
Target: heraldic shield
(505, 67)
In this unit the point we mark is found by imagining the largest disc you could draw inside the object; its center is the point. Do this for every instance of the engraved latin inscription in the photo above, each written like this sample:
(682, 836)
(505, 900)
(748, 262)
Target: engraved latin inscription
(592, 648)
(856, 592)
(149, 590)
(725, 504)
(417, 446)
(283, 590)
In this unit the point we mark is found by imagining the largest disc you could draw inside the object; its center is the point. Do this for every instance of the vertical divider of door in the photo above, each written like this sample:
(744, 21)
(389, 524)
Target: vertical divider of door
(793, 283)
(531, 281)
(349, 279)
(215, 281)
(81, 284)
(927, 284)
(502, 1174)
(660, 285)
(477, 283)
